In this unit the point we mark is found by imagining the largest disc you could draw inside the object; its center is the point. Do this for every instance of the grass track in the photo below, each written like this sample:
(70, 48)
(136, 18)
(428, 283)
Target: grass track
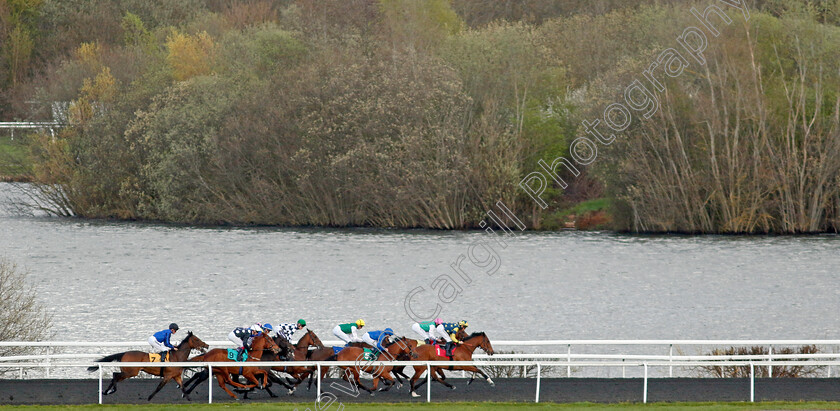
(725, 406)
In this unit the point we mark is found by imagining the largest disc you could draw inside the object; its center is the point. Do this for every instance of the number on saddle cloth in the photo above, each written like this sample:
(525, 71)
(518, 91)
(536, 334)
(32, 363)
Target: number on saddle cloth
(337, 350)
(155, 357)
(233, 355)
(370, 355)
(441, 351)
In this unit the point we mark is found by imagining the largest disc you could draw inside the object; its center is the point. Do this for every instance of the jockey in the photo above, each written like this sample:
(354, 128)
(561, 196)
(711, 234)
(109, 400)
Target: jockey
(242, 336)
(426, 329)
(348, 332)
(287, 330)
(160, 341)
(375, 338)
(448, 332)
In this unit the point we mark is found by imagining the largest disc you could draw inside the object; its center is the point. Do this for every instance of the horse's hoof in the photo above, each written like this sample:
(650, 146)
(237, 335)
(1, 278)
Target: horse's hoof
(371, 394)
(414, 394)
(452, 388)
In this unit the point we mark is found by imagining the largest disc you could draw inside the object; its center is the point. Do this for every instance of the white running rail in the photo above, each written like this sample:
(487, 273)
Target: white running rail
(428, 364)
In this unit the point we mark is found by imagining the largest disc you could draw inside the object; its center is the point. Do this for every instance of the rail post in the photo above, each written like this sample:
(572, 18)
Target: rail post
(209, 384)
(538, 383)
(623, 370)
(100, 383)
(569, 358)
(428, 382)
(644, 392)
(671, 360)
(48, 361)
(318, 398)
(752, 382)
(20, 373)
(770, 367)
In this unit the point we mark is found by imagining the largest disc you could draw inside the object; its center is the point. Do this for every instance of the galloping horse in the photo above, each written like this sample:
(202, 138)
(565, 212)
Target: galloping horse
(463, 353)
(286, 353)
(303, 353)
(223, 374)
(180, 354)
(398, 370)
(399, 349)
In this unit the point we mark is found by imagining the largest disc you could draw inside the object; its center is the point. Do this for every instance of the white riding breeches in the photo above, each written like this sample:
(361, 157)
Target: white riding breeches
(423, 334)
(157, 346)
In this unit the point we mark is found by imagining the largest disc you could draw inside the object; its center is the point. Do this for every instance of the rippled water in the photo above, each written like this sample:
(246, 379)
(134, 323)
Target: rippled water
(119, 281)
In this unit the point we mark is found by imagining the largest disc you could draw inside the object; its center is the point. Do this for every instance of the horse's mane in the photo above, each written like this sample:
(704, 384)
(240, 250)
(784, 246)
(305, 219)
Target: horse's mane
(476, 334)
(186, 339)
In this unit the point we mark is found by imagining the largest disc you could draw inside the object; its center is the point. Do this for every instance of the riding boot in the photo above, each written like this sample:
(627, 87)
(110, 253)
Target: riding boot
(240, 353)
(449, 347)
(163, 356)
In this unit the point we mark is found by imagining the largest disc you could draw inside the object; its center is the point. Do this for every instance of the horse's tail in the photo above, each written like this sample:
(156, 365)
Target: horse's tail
(112, 357)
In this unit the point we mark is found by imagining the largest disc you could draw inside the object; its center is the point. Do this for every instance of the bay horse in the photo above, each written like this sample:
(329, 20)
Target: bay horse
(303, 353)
(223, 374)
(464, 352)
(179, 354)
(287, 353)
(399, 369)
(396, 350)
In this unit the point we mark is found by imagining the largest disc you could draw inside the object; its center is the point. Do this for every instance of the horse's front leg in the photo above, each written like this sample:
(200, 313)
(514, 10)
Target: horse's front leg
(475, 370)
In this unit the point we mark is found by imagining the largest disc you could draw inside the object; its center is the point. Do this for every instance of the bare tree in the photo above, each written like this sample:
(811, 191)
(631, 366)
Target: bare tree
(22, 316)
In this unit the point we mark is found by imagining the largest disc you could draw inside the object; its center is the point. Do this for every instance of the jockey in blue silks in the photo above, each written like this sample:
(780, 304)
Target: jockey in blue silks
(375, 338)
(160, 341)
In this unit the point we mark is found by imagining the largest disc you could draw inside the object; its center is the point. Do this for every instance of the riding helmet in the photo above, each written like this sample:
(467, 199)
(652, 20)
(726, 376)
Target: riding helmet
(360, 323)
(301, 322)
(173, 326)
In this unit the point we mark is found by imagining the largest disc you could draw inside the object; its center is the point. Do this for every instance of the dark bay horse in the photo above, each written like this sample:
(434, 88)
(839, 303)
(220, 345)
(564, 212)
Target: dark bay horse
(180, 354)
(464, 352)
(223, 374)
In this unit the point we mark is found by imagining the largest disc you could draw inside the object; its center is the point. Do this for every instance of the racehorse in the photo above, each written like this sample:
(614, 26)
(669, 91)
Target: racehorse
(398, 370)
(287, 353)
(179, 354)
(223, 374)
(303, 353)
(398, 349)
(464, 352)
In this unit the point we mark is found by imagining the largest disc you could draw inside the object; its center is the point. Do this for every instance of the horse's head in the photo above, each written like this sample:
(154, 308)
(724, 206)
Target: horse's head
(461, 334)
(286, 348)
(263, 341)
(405, 347)
(483, 342)
(195, 343)
(310, 339)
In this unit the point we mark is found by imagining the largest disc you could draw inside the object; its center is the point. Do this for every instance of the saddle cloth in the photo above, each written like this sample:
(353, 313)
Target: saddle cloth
(233, 355)
(441, 351)
(155, 357)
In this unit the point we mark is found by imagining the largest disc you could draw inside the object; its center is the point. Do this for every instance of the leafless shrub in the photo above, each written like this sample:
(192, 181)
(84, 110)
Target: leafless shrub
(22, 317)
(743, 371)
(508, 371)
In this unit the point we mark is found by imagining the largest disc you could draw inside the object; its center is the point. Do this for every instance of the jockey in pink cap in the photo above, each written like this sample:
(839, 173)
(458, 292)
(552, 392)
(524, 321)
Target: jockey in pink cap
(426, 330)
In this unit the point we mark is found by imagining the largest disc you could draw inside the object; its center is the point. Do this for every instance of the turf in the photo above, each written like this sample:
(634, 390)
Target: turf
(461, 406)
